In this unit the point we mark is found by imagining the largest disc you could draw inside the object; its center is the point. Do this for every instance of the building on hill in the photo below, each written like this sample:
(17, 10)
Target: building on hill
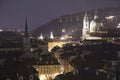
(94, 26)
(96, 29)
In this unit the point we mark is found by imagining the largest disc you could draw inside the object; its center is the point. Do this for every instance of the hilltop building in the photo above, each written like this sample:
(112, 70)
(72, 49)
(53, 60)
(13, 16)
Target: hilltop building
(93, 26)
(48, 68)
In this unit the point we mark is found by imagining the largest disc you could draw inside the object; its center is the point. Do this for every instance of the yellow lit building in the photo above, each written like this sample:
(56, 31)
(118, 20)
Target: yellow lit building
(52, 44)
(48, 68)
(92, 27)
(47, 72)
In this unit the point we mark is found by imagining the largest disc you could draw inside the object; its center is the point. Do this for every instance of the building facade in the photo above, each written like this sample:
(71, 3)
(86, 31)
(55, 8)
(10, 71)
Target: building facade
(92, 27)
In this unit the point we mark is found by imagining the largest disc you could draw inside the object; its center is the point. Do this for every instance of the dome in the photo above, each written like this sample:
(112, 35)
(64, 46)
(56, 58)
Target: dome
(95, 24)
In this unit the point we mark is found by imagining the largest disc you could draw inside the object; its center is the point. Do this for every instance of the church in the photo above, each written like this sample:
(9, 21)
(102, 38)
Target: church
(95, 26)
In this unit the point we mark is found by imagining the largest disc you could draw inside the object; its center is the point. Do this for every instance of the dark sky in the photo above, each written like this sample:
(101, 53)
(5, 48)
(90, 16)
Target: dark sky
(13, 12)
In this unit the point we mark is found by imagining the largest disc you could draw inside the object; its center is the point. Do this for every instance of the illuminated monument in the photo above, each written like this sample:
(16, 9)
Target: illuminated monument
(92, 27)
(51, 35)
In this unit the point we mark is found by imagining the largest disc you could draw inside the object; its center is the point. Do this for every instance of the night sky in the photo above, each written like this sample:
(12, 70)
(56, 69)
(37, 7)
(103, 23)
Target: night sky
(13, 12)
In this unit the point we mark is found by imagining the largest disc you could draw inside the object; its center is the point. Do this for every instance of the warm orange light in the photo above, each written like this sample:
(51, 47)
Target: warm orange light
(55, 74)
(42, 77)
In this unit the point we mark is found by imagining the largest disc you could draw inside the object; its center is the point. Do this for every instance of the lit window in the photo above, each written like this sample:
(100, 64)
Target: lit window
(63, 30)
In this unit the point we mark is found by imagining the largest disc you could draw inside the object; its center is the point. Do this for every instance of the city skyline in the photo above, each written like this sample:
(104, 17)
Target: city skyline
(13, 12)
(85, 46)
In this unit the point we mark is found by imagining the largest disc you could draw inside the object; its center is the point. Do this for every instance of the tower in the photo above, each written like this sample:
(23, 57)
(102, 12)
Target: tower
(96, 15)
(85, 26)
(26, 39)
(51, 35)
(96, 24)
(41, 37)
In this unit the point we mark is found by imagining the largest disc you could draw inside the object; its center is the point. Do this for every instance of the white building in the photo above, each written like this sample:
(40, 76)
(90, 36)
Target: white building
(93, 26)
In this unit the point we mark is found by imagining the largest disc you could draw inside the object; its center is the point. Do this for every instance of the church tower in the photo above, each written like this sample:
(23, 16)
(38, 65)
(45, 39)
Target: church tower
(96, 15)
(26, 39)
(85, 26)
(41, 37)
(51, 35)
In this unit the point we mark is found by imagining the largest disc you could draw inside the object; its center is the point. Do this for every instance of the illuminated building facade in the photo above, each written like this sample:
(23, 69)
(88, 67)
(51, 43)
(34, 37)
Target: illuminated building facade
(92, 27)
(48, 68)
(47, 71)
(41, 37)
(52, 44)
(51, 35)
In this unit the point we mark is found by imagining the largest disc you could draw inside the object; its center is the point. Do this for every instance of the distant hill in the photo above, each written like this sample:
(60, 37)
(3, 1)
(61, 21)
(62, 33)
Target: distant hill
(75, 21)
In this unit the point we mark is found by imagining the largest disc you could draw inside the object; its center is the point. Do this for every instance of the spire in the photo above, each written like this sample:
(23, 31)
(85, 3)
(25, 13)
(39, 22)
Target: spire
(85, 17)
(96, 15)
(51, 35)
(41, 37)
(101, 24)
(26, 27)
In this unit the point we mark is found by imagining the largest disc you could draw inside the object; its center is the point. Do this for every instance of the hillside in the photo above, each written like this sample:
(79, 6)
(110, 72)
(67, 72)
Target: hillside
(74, 22)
